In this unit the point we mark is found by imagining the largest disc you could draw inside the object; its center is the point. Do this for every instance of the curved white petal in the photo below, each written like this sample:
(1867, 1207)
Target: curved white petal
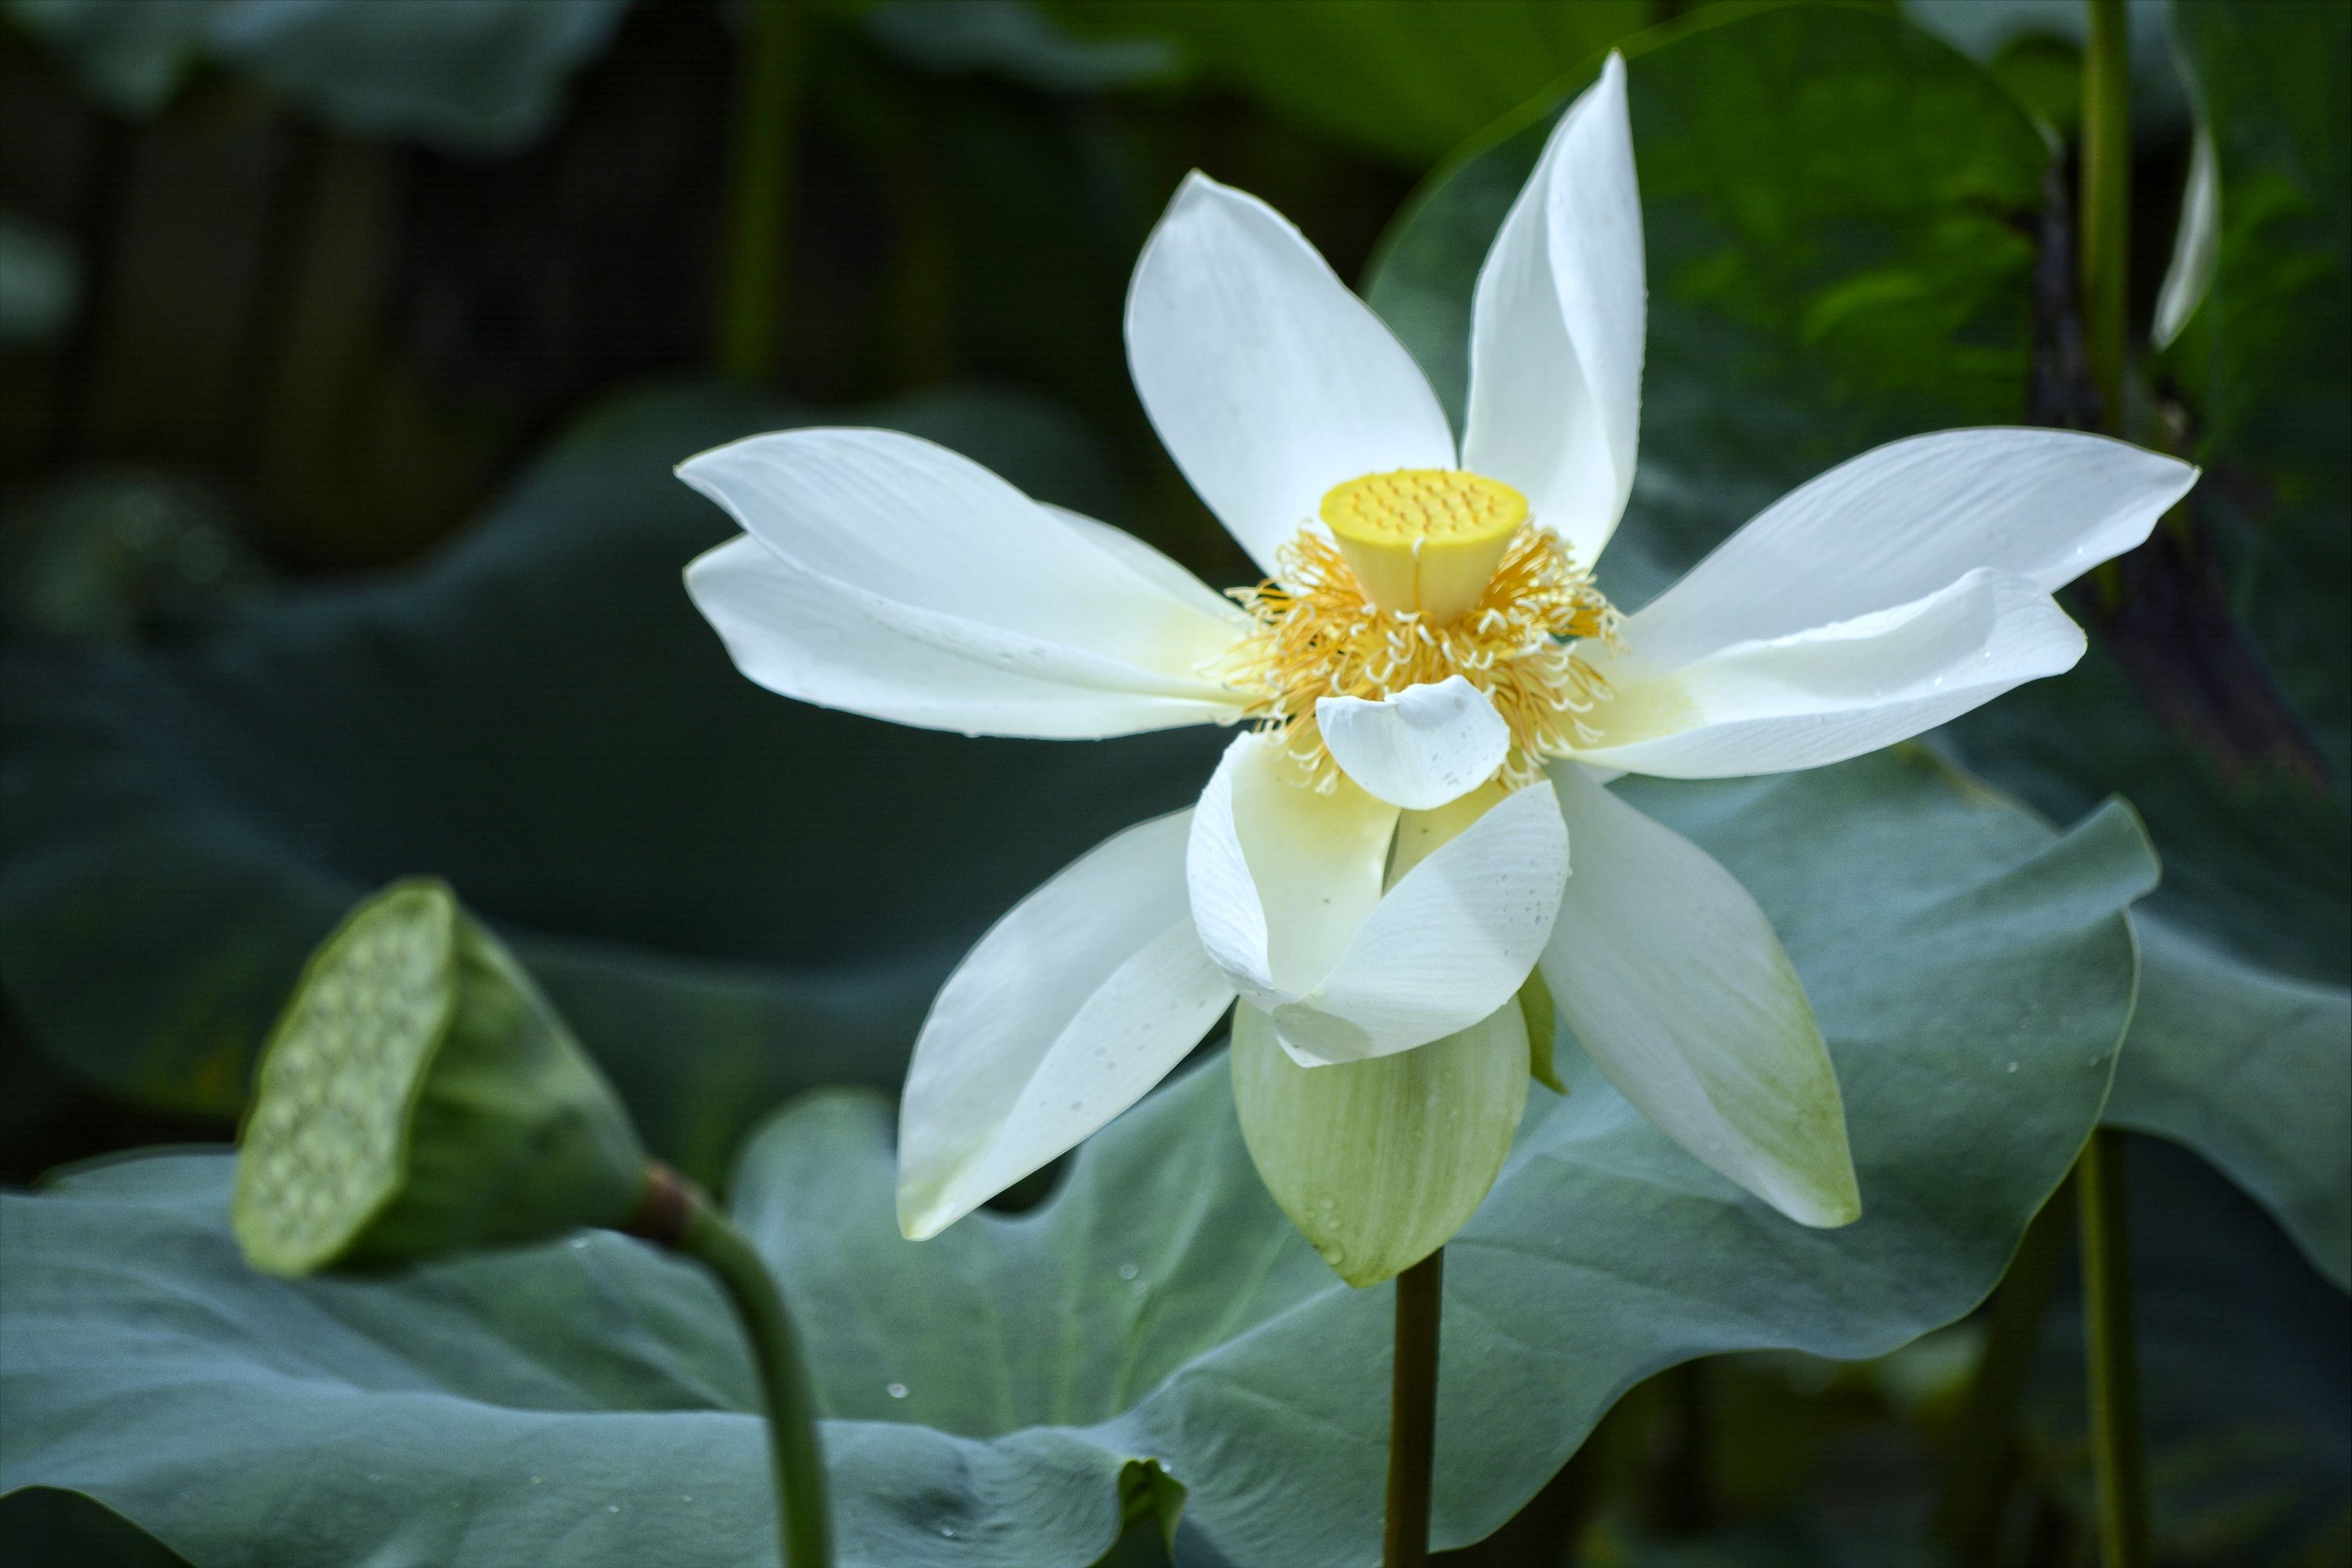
(1285, 893)
(1836, 691)
(1903, 521)
(1556, 327)
(1282, 876)
(822, 641)
(1680, 993)
(910, 521)
(1152, 566)
(879, 539)
(1424, 746)
(1268, 380)
(1073, 1006)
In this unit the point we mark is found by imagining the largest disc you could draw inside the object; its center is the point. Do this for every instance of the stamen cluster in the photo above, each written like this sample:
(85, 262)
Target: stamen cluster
(1318, 636)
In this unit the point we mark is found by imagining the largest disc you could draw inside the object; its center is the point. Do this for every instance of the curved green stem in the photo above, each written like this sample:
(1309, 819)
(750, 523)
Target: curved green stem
(804, 1523)
(2107, 1338)
(1413, 1412)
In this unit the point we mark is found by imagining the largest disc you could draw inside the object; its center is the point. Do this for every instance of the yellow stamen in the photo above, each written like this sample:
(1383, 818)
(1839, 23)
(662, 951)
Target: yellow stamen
(1319, 635)
(1424, 540)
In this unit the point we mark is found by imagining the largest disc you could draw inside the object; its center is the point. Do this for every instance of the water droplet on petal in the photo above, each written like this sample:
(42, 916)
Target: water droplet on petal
(895, 1389)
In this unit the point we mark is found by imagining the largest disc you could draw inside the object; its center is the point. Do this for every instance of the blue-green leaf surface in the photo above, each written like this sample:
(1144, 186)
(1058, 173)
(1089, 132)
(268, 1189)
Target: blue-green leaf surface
(1840, 216)
(986, 1390)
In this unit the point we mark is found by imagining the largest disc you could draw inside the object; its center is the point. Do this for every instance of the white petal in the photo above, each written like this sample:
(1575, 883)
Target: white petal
(1452, 940)
(1420, 747)
(1557, 328)
(1152, 566)
(1903, 521)
(1286, 887)
(1836, 691)
(1281, 876)
(822, 641)
(1680, 993)
(913, 523)
(1067, 1012)
(1268, 380)
(891, 577)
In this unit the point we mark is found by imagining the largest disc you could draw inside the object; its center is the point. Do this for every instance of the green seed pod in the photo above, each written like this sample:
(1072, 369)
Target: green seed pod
(419, 1096)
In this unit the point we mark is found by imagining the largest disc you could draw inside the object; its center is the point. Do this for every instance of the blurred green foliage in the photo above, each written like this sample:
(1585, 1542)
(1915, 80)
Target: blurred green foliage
(337, 542)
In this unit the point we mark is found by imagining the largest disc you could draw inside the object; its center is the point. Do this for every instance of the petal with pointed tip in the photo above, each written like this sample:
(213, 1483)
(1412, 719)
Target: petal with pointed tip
(1678, 990)
(1087, 993)
(1268, 380)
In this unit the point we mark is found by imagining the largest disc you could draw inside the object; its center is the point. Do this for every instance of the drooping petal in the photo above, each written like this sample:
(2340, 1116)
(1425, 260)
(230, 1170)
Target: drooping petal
(1381, 1162)
(1282, 876)
(1902, 521)
(1454, 939)
(1836, 691)
(1285, 888)
(1420, 747)
(1678, 988)
(1067, 1012)
(1268, 382)
(879, 537)
(1557, 328)
(822, 641)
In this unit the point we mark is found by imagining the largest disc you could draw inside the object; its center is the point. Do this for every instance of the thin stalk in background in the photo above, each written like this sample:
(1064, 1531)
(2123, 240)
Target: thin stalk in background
(751, 284)
(2115, 1456)
(1413, 1412)
(1982, 1470)
(2113, 1371)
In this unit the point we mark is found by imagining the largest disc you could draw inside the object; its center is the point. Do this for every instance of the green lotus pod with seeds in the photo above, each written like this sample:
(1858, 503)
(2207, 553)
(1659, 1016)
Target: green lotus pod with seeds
(419, 1096)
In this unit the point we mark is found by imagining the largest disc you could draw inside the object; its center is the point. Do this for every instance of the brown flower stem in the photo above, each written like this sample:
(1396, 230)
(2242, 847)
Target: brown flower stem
(1413, 1412)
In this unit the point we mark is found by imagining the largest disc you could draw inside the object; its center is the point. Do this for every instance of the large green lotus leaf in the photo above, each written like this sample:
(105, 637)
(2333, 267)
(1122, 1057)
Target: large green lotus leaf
(1838, 212)
(986, 1390)
(476, 75)
(731, 896)
(2243, 1047)
(1399, 78)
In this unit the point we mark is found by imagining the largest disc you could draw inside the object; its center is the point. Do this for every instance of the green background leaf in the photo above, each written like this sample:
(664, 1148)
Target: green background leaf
(731, 895)
(1881, 287)
(483, 75)
(1973, 974)
(1396, 77)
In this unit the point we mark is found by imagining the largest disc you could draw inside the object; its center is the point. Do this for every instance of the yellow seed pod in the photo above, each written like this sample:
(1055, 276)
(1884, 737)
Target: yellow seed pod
(1426, 540)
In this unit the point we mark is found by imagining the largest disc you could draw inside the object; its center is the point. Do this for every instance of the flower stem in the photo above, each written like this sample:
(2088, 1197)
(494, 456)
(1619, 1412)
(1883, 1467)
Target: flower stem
(1413, 1412)
(678, 1214)
(2108, 1340)
(767, 85)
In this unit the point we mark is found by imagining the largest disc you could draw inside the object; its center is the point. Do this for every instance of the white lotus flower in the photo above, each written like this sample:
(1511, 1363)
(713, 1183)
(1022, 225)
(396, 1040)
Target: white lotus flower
(1436, 693)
